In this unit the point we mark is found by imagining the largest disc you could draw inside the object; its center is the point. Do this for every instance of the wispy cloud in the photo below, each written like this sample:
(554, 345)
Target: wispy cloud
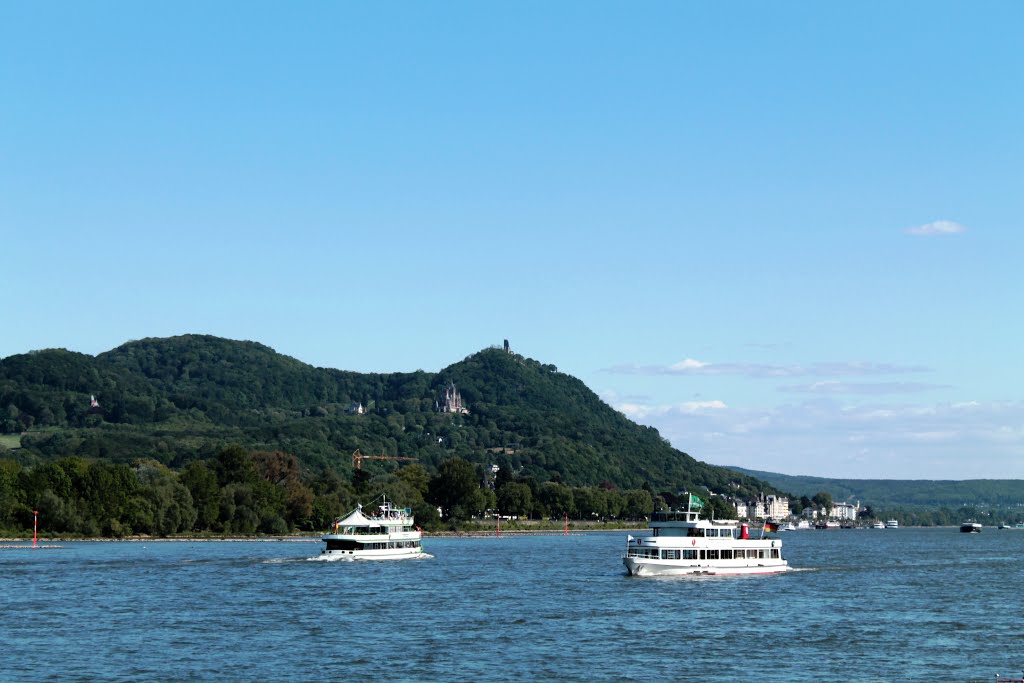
(826, 437)
(863, 388)
(936, 228)
(640, 411)
(690, 366)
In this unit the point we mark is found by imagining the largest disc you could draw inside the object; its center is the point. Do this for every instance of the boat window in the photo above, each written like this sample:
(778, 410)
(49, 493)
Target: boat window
(712, 554)
(670, 554)
(760, 554)
(342, 545)
(711, 533)
(727, 554)
(775, 553)
(694, 532)
(752, 554)
(703, 554)
(690, 554)
(657, 530)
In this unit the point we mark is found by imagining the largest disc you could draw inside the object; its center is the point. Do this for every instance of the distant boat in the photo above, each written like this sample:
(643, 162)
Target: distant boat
(802, 525)
(788, 526)
(892, 524)
(970, 528)
(878, 525)
(1019, 526)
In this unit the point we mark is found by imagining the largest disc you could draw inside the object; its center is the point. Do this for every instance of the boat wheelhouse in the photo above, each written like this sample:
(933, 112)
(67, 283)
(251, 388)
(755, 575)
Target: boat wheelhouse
(388, 534)
(683, 544)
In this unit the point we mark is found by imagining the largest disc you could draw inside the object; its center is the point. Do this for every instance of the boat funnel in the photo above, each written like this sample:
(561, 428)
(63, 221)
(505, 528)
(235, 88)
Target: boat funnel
(744, 532)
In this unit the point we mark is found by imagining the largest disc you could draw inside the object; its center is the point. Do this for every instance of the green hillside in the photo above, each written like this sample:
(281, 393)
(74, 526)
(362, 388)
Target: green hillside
(181, 399)
(891, 493)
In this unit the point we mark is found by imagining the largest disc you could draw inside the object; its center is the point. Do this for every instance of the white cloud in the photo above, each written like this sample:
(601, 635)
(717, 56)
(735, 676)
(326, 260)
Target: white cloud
(694, 406)
(687, 364)
(937, 228)
(640, 411)
(825, 437)
(690, 366)
(872, 388)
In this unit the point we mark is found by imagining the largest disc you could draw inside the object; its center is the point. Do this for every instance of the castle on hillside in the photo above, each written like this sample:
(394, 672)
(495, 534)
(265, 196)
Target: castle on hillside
(452, 402)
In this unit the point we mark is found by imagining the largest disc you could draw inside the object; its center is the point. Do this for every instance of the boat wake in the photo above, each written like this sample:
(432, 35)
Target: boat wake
(282, 560)
(349, 558)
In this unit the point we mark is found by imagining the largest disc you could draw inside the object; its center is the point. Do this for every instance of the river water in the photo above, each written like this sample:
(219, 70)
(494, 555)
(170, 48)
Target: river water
(864, 605)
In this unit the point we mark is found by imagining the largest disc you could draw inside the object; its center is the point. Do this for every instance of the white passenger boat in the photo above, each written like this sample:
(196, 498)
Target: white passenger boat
(387, 534)
(682, 543)
(878, 525)
(970, 528)
(892, 524)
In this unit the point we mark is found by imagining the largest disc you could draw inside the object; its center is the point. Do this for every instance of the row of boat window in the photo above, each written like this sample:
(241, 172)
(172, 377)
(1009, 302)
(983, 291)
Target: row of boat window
(700, 532)
(356, 545)
(390, 544)
(713, 554)
(372, 531)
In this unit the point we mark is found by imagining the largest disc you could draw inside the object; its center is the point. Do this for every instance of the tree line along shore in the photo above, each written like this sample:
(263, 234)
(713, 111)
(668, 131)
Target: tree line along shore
(245, 494)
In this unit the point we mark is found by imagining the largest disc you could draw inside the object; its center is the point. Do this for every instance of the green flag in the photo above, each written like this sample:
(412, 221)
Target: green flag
(696, 502)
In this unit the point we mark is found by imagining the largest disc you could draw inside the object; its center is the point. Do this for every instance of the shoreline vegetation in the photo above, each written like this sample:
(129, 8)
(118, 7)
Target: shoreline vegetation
(470, 531)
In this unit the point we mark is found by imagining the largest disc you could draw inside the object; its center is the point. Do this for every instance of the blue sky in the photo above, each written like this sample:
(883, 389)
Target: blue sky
(785, 234)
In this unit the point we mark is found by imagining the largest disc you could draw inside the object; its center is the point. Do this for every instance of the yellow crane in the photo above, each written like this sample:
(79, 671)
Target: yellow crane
(357, 458)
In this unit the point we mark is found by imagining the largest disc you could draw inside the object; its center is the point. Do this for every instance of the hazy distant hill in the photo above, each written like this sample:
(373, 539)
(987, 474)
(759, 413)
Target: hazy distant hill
(181, 398)
(907, 493)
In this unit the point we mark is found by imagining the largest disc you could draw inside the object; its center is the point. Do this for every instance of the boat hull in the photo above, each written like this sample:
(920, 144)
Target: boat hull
(401, 554)
(636, 566)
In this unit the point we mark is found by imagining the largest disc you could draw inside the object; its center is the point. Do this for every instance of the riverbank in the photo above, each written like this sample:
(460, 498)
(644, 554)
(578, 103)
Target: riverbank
(469, 533)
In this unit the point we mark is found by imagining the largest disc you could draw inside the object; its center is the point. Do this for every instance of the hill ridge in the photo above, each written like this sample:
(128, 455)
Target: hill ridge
(174, 399)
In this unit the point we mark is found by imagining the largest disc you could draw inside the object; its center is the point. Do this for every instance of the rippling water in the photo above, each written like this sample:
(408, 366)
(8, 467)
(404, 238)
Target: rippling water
(893, 605)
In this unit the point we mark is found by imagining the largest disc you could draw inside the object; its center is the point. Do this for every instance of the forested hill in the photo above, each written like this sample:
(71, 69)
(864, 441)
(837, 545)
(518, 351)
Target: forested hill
(889, 493)
(179, 399)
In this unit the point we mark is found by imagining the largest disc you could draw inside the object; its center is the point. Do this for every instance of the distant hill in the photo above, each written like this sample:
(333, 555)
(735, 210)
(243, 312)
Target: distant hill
(182, 398)
(888, 493)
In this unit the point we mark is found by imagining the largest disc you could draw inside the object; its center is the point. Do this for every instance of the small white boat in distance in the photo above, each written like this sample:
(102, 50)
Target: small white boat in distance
(892, 524)
(970, 528)
(683, 544)
(389, 534)
(878, 525)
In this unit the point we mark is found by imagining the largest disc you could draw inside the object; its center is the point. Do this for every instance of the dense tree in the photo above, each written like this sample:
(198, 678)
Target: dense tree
(201, 483)
(514, 499)
(456, 490)
(823, 499)
(558, 499)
